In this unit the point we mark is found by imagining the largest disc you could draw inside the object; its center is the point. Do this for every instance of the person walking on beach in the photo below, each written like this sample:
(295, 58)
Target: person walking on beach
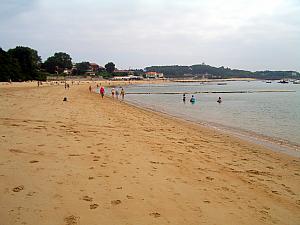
(102, 91)
(122, 93)
(113, 92)
(183, 98)
(90, 88)
(117, 93)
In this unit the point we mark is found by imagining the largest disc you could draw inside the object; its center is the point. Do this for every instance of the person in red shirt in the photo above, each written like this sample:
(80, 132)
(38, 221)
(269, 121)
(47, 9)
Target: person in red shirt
(102, 91)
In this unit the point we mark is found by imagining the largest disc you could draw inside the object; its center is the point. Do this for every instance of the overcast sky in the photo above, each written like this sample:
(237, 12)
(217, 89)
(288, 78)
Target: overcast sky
(243, 34)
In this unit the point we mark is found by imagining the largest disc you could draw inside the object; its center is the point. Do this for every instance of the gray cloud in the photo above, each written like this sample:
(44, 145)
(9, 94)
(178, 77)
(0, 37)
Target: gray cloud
(257, 34)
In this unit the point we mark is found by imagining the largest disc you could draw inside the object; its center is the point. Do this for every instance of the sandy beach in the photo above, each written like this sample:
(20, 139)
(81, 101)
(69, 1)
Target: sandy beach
(102, 161)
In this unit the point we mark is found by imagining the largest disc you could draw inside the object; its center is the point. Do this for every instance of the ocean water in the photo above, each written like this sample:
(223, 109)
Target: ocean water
(271, 115)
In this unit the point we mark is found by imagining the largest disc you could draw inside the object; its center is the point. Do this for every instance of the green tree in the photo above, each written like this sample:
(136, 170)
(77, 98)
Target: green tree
(82, 67)
(9, 68)
(58, 63)
(28, 60)
(110, 67)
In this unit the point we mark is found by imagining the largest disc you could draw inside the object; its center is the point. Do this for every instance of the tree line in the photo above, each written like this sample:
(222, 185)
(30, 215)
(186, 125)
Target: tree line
(24, 63)
(20, 64)
(211, 72)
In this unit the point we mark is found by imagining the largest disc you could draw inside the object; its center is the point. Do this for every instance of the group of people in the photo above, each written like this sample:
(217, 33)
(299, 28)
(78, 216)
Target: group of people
(114, 92)
(193, 99)
(67, 86)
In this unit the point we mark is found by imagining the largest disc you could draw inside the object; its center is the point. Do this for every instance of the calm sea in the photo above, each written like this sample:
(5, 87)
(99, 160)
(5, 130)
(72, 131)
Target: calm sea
(271, 115)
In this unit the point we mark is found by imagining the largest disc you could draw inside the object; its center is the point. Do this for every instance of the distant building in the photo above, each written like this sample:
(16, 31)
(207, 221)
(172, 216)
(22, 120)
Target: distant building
(154, 75)
(121, 72)
(67, 71)
(90, 73)
(129, 77)
(93, 69)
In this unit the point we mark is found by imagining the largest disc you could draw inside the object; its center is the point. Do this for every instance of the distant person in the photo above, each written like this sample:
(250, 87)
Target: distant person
(113, 92)
(122, 93)
(90, 88)
(219, 100)
(183, 98)
(102, 91)
(65, 85)
(192, 100)
(117, 93)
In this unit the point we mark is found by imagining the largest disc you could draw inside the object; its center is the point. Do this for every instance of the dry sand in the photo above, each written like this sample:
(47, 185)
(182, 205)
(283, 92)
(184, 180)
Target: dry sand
(100, 161)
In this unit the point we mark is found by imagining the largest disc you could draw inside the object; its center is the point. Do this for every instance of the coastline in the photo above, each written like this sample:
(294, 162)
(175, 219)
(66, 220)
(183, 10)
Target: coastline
(213, 80)
(272, 143)
(91, 160)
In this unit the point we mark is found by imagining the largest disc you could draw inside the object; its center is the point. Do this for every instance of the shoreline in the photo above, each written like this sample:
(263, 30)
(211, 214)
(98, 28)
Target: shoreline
(90, 160)
(214, 80)
(281, 145)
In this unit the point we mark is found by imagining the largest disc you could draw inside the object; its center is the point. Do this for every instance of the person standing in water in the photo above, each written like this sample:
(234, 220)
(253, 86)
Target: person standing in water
(219, 100)
(183, 98)
(113, 92)
(117, 93)
(122, 93)
(192, 100)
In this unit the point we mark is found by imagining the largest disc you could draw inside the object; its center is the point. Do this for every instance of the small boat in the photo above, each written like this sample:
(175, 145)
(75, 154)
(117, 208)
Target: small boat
(268, 82)
(296, 82)
(283, 82)
(221, 83)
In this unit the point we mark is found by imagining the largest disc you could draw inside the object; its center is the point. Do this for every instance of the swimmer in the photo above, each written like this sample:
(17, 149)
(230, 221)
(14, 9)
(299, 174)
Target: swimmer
(192, 100)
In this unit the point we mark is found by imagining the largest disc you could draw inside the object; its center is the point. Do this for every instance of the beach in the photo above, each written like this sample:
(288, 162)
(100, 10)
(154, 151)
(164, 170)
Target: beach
(102, 161)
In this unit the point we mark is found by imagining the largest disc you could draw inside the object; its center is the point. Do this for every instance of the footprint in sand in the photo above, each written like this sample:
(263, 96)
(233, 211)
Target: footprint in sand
(94, 206)
(87, 198)
(155, 214)
(129, 197)
(116, 202)
(31, 193)
(16, 151)
(71, 220)
(209, 178)
(19, 188)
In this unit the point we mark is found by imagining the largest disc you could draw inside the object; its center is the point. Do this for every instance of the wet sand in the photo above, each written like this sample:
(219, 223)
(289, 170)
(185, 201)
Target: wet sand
(101, 161)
